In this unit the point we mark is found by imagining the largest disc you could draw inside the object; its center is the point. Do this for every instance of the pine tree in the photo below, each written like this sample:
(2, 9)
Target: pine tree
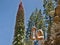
(19, 27)
(31, 23)
(48, 5)
(36, 19)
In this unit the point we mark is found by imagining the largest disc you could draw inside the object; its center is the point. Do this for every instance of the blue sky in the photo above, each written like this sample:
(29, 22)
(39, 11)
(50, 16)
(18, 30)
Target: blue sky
(8, 11)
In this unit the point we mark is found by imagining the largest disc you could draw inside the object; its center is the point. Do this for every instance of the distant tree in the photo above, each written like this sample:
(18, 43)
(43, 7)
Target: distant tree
(48, 5)
(31, 23)
(36, 19)
(19, 27)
